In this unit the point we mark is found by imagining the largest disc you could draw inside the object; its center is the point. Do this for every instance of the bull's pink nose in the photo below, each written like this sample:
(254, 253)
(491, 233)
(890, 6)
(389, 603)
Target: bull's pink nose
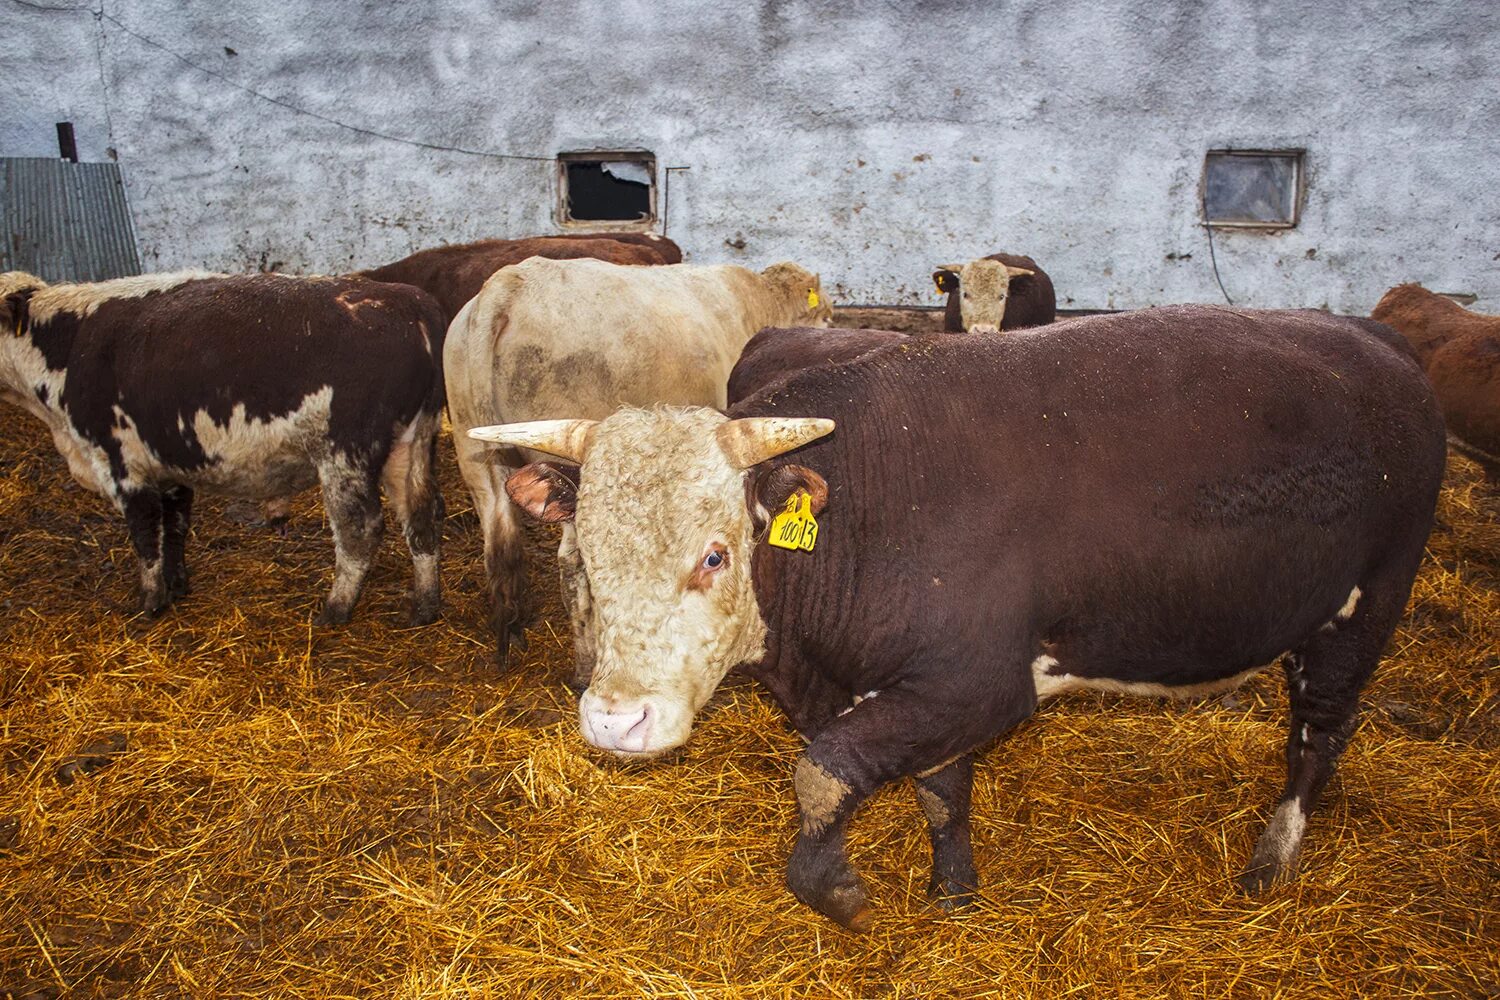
(984, 328)
(616, 727)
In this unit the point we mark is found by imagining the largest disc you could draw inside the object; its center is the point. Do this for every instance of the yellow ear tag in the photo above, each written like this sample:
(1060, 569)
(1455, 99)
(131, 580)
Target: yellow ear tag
(812, 298)
(794, 528)
(938, 285)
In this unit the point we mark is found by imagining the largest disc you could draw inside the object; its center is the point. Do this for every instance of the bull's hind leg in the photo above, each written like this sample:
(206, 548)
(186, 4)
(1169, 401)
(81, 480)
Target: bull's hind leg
(143, 519)
(485, 470)
(177, 521)
(351, 496)
(1324, 678)
(944, 794)
(411, 485)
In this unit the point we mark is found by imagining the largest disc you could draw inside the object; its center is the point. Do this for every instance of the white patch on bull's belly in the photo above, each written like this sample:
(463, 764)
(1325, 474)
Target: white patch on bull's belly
(248, 457)
(1347, 611)
(1049, 684)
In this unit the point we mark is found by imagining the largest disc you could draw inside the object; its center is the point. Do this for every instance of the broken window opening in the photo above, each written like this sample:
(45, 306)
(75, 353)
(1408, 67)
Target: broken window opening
(1252, 189)
(616, 190)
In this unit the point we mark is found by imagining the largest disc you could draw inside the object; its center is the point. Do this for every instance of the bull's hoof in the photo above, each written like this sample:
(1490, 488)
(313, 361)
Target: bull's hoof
(153, 606)
(846, 905)
(280, 527)
(333, 616)
(951, 894)
(423, 614)
(1258, 878)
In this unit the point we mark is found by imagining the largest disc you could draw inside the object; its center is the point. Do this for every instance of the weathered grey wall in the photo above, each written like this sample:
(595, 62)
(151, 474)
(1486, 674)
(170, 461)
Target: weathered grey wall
(867, 140)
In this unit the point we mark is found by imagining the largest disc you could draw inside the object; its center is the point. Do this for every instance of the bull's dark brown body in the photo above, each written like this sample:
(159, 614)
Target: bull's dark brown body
(454, 274)
(1169, 497)
(777, 351)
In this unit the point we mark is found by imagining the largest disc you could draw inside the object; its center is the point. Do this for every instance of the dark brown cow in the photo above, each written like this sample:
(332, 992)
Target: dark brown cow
(251, 386)
(1014, 295)
(1157, 502)
(778, 350)
(1460, 351)
(454, 274)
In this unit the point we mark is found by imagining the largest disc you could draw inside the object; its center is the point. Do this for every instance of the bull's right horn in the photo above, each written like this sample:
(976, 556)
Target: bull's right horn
(955, 268)
(569, 439)
(749, 441)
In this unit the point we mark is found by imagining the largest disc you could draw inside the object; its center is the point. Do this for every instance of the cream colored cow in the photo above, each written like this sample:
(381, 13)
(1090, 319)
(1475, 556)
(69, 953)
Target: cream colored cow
(581, 338)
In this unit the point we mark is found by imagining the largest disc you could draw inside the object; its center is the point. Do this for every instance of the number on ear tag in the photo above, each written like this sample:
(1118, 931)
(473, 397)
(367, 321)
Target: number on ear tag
(794, 528)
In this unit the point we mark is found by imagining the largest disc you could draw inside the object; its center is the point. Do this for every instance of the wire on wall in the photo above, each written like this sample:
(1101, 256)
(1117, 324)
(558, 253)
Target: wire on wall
(101, 15)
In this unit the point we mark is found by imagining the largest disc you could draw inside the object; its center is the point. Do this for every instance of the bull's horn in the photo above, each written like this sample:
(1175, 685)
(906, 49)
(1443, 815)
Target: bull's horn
(1016, 272)
(568, 439)
(751, 440)
(955, 268)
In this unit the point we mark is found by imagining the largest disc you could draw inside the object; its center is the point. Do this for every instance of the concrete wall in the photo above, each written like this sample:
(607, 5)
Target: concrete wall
(866, 140)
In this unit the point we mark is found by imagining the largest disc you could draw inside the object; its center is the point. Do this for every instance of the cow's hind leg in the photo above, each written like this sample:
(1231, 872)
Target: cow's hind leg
(1324, 678)
(944, 793)
(177, 521)
(485, 470)
(351, 496)
(143, 519)
(410, 479)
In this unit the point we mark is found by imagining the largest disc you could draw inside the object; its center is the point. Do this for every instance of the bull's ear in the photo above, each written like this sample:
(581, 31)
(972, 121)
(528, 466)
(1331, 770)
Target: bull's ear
(768, 490)
(17, 308)
(548, 491)
(946, 281)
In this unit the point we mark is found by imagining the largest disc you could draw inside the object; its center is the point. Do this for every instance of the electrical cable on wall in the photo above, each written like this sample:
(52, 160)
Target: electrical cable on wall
(1212, 257)
(100, 15)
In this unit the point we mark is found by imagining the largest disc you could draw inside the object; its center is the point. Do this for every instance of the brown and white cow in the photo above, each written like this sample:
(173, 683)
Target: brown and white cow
(1003, 291)
(1157, 502)
(550, 337)
(454, 274)
(1460, 351)
(253, 386)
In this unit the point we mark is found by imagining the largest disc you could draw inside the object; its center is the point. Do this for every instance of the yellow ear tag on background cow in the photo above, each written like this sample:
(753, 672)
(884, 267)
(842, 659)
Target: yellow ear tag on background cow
(794, 528)
(812, 298)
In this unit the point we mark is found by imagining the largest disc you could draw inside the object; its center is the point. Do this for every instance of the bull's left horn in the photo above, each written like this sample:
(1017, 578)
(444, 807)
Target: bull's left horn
(751, 440)
(569, 439)
(1016, 272)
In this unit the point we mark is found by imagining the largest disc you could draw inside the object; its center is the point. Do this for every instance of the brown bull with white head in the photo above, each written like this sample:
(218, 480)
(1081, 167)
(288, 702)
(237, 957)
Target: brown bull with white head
(684, 530)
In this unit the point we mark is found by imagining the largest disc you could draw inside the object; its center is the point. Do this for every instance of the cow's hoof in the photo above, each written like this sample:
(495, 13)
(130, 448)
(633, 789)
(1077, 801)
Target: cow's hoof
(423, 614)
(333, 616)
(846, 905)
(951, 894)
(154, 607)
(1258, 878)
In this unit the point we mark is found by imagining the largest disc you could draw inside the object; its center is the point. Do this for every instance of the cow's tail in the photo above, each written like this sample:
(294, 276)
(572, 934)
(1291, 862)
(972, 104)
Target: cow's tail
(411, 476)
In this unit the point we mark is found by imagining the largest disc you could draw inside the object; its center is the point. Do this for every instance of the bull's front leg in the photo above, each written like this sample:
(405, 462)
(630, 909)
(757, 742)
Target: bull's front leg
(896, 733)
(142, 507)
(575, 589)
(944, 793)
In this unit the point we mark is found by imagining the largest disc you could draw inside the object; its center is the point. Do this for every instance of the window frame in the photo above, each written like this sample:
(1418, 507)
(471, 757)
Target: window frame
(1297, 155)
(564, 218)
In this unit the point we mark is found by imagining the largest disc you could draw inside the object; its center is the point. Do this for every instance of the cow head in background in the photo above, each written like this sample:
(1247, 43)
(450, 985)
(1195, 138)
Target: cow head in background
(667, 506)
(983, 286)
(800, 292)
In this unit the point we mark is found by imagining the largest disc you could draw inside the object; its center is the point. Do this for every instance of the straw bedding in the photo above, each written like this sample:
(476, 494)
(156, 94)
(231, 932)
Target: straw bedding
(229, 802)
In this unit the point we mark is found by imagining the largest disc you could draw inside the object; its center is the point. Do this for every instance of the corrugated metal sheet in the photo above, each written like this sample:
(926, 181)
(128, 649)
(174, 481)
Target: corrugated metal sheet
(65, 221)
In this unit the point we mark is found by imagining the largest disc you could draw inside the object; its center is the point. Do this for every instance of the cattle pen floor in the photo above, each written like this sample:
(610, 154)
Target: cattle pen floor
(229, 802)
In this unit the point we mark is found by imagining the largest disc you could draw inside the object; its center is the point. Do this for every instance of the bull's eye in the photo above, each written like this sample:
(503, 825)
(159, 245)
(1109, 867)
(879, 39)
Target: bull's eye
(704, 574)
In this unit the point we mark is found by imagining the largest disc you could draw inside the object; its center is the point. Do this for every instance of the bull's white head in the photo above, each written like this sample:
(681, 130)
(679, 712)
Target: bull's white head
(667, 505)
(983, 286)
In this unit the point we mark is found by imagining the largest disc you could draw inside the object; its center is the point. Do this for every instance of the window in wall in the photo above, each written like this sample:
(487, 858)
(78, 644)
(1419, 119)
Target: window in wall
(609, 190)
(1252, 189)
